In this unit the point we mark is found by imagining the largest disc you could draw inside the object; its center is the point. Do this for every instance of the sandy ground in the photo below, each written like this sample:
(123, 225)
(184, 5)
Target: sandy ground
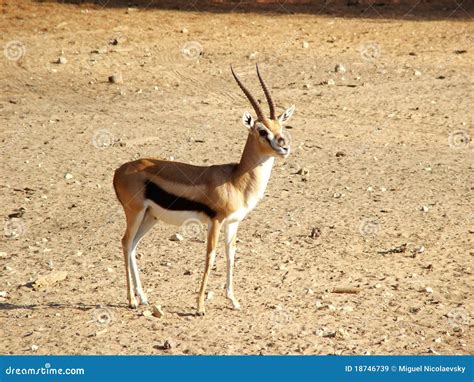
(376, 196)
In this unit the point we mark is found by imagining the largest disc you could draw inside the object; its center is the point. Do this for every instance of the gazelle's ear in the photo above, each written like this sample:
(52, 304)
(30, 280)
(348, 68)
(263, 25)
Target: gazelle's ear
(287, 114)
(248, 120)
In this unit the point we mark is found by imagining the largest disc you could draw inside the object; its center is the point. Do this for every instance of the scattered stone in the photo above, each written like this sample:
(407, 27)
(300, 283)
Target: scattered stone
(319, 305)
(429, 290)
(325, 333)
(116, 79)
(309, 291)
(34, 347)
(305, 45)
(61, 60)
(331, 82)
(339, 68)
(306, 86)
(340, 154)
(68, 176)
(417, 73)
(3, 255)
(302, 171)
(210, 296)
(100, 332)
(147, 314)
(188, 272)
(337, 195)
(253, 56)
(424, 209)
(399, 249)
(157, 311)
(176, 237)
(349, 290)
(184, 31)
(315, 233)
(168, 344)
(49, 280)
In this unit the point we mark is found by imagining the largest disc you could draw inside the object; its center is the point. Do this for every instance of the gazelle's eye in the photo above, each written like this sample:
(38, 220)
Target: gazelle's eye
(263, 133)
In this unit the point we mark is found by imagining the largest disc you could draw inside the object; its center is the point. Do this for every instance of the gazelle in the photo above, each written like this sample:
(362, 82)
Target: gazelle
(220, 195)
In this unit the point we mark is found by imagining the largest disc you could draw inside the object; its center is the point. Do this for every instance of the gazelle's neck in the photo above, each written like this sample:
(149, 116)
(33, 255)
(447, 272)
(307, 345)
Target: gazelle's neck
(253, 171)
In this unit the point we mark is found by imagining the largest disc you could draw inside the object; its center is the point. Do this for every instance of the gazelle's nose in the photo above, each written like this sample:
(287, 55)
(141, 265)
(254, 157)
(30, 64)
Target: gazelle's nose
(282, 142)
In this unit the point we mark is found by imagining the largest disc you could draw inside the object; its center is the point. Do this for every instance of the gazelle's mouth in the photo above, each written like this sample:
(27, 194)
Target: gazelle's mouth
(283, 151)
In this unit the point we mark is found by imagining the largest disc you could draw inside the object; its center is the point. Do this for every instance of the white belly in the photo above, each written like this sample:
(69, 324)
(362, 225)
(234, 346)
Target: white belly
(176, 217)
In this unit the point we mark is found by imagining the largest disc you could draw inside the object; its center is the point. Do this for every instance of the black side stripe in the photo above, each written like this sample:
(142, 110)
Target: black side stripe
(175, 203)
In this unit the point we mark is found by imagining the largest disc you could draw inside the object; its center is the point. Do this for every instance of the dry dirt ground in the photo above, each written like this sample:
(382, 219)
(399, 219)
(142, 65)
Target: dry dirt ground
(376, 196)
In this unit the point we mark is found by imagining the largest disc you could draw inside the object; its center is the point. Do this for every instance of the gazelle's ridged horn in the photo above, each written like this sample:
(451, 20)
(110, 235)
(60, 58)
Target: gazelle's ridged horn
(250, 97)
(271, 104)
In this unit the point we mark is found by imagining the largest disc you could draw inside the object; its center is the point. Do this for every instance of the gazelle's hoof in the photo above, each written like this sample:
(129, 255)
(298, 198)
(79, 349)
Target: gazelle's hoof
(143, 299)
(235, 303)
(201, 311)
(133, 303)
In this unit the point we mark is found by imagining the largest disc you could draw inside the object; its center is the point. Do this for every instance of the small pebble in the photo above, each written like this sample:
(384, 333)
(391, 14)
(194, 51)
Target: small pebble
(339, 68)
(61, 60)
(176, 237)
(168, 344)
(157, 311)
(116, 79)
(305, 45)
(68, 176)
(210, 296)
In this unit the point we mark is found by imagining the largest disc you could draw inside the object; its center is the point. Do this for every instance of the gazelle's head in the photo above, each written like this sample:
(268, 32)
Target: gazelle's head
(269, 132)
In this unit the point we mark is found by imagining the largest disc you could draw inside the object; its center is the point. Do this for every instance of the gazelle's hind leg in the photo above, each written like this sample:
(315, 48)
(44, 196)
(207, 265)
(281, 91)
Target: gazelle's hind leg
(147, 223)
(133, 234)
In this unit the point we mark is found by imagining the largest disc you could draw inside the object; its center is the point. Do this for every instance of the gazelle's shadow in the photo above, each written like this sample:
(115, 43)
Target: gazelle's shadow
(83, 307)
(87, 307)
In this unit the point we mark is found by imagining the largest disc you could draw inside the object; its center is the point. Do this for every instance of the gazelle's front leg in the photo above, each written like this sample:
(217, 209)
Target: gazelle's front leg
(212, 238)
(230, 247)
